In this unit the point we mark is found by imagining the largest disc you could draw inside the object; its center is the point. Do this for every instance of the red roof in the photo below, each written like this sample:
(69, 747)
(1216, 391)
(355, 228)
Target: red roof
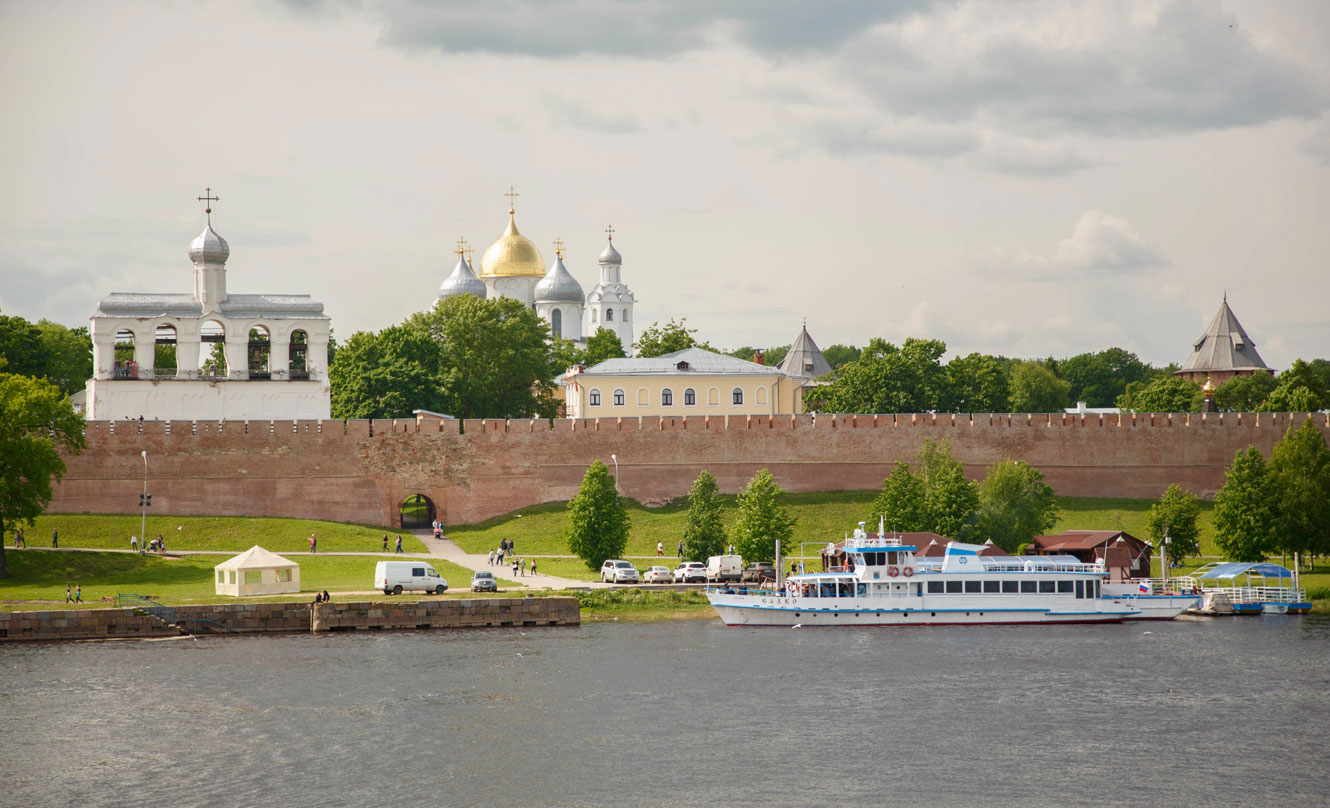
(1072, 540)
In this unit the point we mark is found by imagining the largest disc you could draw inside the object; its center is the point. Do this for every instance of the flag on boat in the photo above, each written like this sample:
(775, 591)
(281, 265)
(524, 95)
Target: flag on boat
(1143, 588)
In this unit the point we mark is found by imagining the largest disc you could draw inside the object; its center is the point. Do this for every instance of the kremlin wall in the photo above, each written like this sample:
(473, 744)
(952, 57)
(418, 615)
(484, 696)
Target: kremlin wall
(361, 471)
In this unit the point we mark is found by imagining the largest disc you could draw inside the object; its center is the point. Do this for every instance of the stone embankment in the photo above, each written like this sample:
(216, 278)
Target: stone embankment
(259, 618)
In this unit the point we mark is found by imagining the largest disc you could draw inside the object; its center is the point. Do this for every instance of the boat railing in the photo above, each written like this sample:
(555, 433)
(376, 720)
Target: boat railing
(1159, 586)
(1033, 564)
(874, 541)
(1263, 594)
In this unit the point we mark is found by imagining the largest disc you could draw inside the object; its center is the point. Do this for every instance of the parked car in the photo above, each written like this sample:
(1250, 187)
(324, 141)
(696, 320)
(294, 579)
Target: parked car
(690, 572)
(657, 575)
(759, 571)
(618, 571)
(724, 568)
(395, 577)
(484, 581)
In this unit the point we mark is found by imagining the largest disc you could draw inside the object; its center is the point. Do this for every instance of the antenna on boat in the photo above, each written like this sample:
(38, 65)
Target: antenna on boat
(881, 526)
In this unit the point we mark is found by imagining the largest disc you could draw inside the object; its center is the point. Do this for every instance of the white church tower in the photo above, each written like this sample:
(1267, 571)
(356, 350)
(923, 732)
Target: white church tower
(559, 299)
(610, 303)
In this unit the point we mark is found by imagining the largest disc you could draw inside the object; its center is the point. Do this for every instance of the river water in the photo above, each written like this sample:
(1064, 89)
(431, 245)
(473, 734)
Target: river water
(1194, 712)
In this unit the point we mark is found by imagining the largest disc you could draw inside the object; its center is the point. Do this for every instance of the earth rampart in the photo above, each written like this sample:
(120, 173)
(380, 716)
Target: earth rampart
(361, 471)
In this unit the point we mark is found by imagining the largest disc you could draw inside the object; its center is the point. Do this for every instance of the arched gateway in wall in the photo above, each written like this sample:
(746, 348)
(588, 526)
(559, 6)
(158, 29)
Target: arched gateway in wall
(417, 512)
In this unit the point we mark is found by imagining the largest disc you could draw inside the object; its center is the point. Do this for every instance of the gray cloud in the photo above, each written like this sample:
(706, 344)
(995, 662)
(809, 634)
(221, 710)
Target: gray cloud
(578, 115)
(1100, 245)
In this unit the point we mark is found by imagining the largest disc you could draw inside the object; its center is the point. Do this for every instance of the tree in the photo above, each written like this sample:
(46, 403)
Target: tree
(602, 345)
(1246, 515)
(598, 522)
(1099, 378)
(386, 375)
(950, 500)
(1299, 389)
(1300, 475)
(68, 355)
(886, 378)
(980, 383)
(762, 519)
(1015, 504)
(1036, 388)
(703, 533)
(901, 506)
(1245, 393)
(21, 347)
(1162, 394)
(658, 340)
(1175, 515)
(837, 355)
(37, 422)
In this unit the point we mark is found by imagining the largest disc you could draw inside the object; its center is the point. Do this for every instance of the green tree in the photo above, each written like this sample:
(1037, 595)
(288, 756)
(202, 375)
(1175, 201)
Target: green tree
(1015, 504)
(602, 345)
(1299, 389)
(564, 353)
(774, 356)
(658, 340)
(950, 500)
(886, 378)
(21, 347)
(68, 356)
(1175, 515)
(598, 522)
(1245, 393)
(901, 506)
(980, 383)
(703, 533)
(1300, 475)
(1099, 378)
(386, 375)
(837, 355)
(1162, 394)
(762, 519)
(1036, 388)
(37, 422)
(1246, 511)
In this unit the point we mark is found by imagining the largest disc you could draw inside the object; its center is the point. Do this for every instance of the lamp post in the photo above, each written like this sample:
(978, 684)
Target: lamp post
(615, 458)
(143, 505)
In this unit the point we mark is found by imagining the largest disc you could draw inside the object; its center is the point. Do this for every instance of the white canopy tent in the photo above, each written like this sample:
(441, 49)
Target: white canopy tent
(257, 572)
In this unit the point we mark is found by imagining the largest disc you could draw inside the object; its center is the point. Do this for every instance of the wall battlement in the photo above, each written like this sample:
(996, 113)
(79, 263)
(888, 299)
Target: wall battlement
(360, 470)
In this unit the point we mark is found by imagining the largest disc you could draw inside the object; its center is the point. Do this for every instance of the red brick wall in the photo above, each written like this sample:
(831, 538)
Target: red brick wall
(358, 471)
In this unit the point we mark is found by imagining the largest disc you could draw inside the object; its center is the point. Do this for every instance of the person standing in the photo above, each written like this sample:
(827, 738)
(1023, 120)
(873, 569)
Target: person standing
(313, 543)
(55, 539)
(514, 566)
(399, 542)
(524, 568)
(134, 543)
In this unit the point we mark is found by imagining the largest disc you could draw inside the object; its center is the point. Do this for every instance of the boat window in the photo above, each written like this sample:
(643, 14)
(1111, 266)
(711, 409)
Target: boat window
(918, 589)
(1095, 586)
(973, 587)
(992, 587)
(843, 590)
(935, 587)
(1064, 587)
(881, 559)
(891, 558)
(827, 590)
(1047, 587)
(953, 587)
(870, 559)
(1080, 589)
(861, 589)
(1011, 587)
(1029, 587)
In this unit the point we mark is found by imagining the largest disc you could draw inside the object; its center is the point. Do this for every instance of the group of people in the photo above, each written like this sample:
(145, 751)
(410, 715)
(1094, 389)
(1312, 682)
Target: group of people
(519, 564)
(322, 597)
(21, 538)
(75, 595)
(157, 545)
(385, 542)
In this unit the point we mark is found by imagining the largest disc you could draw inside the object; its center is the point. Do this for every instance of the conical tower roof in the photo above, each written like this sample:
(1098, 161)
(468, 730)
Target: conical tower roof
(1224, 346)
(804, 358)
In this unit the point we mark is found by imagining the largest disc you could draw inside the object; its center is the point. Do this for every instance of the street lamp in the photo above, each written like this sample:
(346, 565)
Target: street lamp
(615, 458)
(143, 505)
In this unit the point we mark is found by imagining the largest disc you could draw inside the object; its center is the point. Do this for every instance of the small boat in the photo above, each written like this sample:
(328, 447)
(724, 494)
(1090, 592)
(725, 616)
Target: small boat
(883, 583)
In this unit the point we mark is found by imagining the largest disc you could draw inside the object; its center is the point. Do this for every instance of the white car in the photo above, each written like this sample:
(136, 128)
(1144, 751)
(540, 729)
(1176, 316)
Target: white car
(618, 571)
(690, 572)
(657, 575)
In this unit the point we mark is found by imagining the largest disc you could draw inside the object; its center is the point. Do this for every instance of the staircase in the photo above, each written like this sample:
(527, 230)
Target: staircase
(166, 614)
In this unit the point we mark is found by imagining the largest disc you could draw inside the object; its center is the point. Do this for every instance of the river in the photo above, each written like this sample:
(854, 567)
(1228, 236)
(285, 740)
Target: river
(1194, 712)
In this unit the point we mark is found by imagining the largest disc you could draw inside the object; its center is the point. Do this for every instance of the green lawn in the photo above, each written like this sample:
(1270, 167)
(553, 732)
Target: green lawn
(174, 581)
(223, 533)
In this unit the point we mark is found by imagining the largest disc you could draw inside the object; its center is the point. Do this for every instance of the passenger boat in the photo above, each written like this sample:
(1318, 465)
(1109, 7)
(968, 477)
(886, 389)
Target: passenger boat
(884, 583)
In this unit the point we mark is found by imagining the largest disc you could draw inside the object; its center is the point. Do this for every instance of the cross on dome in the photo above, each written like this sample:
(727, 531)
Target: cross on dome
(558, 246)
(207, 199)
(609, 231)
(461, 248)
(512, 199)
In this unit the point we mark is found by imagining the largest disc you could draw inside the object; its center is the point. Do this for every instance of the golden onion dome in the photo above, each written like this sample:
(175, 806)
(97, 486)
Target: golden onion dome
(513, 255)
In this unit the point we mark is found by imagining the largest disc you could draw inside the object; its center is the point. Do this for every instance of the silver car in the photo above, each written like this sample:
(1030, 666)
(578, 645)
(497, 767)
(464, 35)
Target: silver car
(618, 571)
(483, 581)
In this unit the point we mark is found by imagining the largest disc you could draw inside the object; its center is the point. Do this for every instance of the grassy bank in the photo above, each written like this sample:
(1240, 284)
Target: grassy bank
(638, 605)
(221, 533)
(42, 576)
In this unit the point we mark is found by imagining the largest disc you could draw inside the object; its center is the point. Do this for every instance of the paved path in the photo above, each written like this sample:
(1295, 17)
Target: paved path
(448, 550)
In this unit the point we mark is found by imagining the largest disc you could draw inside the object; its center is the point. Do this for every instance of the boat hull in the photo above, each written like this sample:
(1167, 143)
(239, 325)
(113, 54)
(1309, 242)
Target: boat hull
(1158, 607)
(778, 610)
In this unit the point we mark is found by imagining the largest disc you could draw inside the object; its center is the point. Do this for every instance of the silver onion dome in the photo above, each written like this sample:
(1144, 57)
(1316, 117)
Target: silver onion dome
(559, 286)
(610, 255)
(462, 282)
(209, 248)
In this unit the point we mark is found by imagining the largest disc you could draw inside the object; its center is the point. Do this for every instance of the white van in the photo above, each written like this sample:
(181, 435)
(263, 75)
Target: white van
(395, 577)
(725, 568)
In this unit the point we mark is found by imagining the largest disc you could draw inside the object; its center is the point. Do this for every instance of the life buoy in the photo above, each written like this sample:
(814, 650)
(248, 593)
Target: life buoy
(892, 572)
(793, 588)
(909, 571)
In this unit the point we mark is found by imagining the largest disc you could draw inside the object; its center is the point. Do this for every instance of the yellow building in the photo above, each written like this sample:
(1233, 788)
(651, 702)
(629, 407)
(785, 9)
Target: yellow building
(693, 381)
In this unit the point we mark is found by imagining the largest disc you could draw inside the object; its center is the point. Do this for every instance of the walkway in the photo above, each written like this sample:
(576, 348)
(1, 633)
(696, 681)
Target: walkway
(448, 550)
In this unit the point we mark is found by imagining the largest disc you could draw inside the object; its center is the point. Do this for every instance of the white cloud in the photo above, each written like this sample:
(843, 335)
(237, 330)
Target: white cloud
(1099, 244)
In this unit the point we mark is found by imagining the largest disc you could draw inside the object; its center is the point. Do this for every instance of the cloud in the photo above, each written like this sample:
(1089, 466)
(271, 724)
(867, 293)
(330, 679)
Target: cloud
(1317, 144)
(572, 113)
(1100, 244)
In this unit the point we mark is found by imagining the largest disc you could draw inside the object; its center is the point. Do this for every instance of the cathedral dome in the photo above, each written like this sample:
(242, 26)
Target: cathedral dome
(209, 248)
(559, 286)
(513, 255)
(610, 255)
(462, 282)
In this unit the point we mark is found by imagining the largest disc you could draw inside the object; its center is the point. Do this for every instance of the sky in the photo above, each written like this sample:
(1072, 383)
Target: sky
(1019, 178)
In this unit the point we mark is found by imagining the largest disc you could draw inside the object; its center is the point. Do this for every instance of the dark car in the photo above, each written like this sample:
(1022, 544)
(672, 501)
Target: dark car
(759, 571)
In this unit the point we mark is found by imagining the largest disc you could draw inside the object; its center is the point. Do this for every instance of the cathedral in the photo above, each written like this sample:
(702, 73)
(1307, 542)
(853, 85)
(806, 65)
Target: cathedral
(513, 267)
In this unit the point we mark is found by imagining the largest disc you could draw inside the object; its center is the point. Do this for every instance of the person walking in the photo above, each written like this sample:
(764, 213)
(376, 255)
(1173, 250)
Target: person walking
(78, 593)
(55, 539)
(161, 545)
(69, 596)
(385, 542)
(524, 568)
(491, 559)
(399, 542)
(313, 543)
(533, 566)
(660, 549)
(678, 551)
(500, 554)
(514, 566)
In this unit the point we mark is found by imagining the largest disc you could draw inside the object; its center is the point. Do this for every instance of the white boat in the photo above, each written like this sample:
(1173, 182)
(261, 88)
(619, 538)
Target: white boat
(1247, 588)
(1155, 598)
(884, 584)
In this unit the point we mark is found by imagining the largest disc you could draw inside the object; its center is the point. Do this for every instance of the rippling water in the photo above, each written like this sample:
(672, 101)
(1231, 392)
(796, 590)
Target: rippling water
(1193, 712)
